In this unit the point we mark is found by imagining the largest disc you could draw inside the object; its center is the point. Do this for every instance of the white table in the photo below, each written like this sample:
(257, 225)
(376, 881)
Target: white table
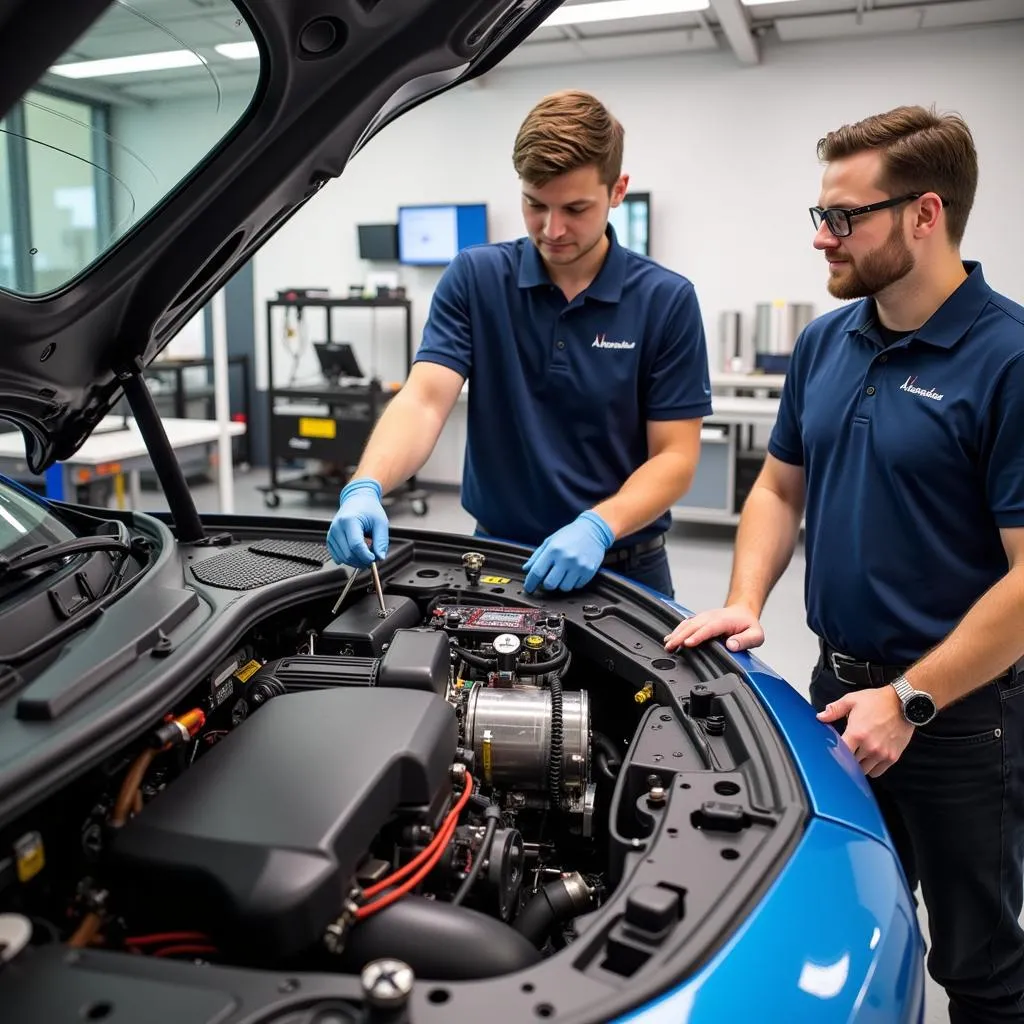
(112, 451)
(712, 495)
(760, 383)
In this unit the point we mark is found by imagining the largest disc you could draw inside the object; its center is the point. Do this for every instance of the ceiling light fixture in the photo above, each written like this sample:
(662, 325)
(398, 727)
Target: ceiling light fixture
(128, 65)
(239, 51)
(622, 10)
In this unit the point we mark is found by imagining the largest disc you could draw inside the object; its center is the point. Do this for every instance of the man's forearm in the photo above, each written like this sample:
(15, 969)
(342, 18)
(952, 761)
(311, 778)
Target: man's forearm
(765, 539)
(988, 640)
(401, 442)
(650, 489)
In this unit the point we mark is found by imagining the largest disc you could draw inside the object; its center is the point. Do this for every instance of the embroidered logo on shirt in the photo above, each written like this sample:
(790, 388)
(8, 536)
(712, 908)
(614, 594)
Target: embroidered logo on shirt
(910, 386)
(600, 341)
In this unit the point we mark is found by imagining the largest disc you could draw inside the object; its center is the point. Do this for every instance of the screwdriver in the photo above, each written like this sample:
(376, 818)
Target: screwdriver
(377, 587)
(380, 591)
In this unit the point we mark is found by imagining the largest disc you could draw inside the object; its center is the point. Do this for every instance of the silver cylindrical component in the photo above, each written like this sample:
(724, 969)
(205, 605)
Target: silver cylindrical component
(509, 731)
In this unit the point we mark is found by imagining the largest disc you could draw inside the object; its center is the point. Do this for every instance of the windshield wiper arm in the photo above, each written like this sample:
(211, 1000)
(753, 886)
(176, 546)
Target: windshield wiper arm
(41, 556)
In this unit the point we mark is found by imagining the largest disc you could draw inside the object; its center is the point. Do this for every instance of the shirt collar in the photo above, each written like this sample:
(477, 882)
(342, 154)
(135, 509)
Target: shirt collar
(606, 287)
(950, 322)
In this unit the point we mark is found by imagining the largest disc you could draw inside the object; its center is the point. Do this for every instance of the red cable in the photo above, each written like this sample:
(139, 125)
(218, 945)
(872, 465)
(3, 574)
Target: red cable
(434, 846)
(149, 940)
(432, 854)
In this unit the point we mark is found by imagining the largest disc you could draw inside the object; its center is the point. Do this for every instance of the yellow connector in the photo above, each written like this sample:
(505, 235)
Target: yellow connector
(644, 695)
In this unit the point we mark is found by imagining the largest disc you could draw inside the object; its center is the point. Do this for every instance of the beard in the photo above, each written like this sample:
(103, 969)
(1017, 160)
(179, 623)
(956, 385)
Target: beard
(876, 271)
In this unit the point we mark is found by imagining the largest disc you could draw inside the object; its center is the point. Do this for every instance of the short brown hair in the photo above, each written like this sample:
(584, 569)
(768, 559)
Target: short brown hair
(921, 152)
(565, 131)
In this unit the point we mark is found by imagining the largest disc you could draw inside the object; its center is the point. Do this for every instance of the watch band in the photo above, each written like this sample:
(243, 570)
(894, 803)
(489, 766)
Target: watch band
(901, 684)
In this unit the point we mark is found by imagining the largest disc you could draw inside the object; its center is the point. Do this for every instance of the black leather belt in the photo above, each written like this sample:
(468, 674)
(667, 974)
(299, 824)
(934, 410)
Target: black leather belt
(871, 673)
(618, 555)
(858, 673)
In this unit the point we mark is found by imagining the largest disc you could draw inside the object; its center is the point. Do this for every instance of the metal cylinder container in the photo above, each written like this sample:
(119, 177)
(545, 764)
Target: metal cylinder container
(509, 731)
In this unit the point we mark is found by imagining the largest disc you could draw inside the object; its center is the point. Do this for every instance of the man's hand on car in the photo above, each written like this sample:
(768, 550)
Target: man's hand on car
(570, 556)
(876, 730)
(737, 623)
(360, 514)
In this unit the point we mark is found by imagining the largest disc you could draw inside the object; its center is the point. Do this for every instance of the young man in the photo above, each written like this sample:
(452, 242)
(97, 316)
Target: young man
(588, 376)
(901, 427)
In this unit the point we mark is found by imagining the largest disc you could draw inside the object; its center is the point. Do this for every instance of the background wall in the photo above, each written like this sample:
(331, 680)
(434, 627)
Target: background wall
(727, 152)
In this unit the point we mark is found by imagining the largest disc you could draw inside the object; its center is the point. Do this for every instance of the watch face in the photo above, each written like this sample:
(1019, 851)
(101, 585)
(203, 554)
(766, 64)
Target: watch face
(919, 709)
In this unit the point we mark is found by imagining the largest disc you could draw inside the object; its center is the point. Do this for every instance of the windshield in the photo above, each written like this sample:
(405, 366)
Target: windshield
(109, 132)
(26, 523)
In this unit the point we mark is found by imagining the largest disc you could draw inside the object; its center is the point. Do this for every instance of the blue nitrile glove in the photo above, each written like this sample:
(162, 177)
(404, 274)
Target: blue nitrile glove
(360, 514)
(570, 556)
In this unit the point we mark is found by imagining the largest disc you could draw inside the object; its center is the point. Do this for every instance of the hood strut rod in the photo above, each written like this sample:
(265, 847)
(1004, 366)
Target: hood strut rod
(188, 528)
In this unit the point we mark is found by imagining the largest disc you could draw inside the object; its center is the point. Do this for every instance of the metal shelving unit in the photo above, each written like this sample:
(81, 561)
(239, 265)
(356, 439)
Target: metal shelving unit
(326, 422)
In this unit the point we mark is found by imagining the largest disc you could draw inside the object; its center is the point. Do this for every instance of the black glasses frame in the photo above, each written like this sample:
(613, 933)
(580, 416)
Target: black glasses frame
(839, 220)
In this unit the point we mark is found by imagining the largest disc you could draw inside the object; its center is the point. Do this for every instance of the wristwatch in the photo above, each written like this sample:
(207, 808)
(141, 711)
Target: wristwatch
(918, 706)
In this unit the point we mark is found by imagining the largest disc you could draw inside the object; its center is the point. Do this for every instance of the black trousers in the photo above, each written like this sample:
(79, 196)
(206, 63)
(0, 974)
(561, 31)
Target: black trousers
(954, 806)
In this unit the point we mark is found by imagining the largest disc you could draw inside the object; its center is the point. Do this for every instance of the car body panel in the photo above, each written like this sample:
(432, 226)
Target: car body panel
(834, 939)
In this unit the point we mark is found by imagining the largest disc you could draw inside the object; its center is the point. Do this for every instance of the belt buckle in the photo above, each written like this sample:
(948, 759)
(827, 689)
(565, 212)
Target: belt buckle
(837, 660)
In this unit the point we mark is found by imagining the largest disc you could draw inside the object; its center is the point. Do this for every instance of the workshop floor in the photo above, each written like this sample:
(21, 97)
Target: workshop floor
(701, 560)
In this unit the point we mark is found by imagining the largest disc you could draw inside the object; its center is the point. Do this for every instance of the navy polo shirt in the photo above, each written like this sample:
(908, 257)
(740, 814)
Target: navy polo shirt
(560, 392)
(914, 459)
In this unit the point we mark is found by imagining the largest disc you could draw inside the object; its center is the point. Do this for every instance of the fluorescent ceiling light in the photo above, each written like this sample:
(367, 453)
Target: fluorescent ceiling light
(239, 51)
(758, 3)
(128, 65)
(620, 10)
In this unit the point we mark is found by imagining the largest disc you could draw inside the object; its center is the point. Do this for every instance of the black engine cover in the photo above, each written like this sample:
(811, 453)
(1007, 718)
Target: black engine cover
(258, 841)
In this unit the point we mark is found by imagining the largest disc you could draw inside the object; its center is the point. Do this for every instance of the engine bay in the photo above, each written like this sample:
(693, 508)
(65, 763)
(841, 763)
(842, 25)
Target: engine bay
(443, 770)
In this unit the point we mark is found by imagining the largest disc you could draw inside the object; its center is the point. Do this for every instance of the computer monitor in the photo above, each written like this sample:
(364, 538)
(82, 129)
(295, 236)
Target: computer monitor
(430, 236)
(337, 360)
(631, 220)
(378, 242)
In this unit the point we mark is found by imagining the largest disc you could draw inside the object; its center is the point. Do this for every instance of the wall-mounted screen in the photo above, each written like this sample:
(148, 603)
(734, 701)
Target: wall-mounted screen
(430, 236)
(631, 220)
(378, 241)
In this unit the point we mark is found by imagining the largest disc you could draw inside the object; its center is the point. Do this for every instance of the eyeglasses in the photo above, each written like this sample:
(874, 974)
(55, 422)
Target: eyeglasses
(839, 221)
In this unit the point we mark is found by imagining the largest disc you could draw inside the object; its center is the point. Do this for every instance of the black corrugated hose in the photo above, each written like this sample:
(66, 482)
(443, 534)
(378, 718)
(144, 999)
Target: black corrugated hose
(555, 758)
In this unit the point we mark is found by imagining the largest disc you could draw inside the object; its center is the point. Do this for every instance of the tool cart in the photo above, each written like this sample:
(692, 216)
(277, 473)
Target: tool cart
(330, 420)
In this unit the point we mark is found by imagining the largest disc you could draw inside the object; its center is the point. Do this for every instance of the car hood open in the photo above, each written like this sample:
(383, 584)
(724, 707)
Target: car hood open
(66, 354)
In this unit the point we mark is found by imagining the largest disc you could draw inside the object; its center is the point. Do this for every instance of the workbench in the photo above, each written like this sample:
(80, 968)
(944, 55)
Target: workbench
(726, 454)
(114, 451)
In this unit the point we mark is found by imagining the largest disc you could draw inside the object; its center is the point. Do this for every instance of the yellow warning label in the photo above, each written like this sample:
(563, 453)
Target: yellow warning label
(29, 856)
(247, 670)
(312, 426)
(487, 756)
(499, 580)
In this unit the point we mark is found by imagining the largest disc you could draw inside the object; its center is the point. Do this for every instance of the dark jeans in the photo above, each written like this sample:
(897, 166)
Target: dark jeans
(650, 568)
(954, 806)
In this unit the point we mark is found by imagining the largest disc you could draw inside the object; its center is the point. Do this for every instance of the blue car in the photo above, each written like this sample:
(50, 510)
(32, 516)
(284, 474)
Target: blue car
(240, 783)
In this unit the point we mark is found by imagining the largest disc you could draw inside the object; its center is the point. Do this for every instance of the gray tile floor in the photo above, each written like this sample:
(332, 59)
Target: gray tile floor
(700, 556)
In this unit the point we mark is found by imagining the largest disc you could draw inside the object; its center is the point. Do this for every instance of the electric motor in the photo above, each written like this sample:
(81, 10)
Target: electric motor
(511, 730)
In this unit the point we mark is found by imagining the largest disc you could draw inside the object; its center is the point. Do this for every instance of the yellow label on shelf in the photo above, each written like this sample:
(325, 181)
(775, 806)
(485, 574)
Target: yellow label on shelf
(499, 580)
(311, 426)
(29, 856)
(247, 670)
